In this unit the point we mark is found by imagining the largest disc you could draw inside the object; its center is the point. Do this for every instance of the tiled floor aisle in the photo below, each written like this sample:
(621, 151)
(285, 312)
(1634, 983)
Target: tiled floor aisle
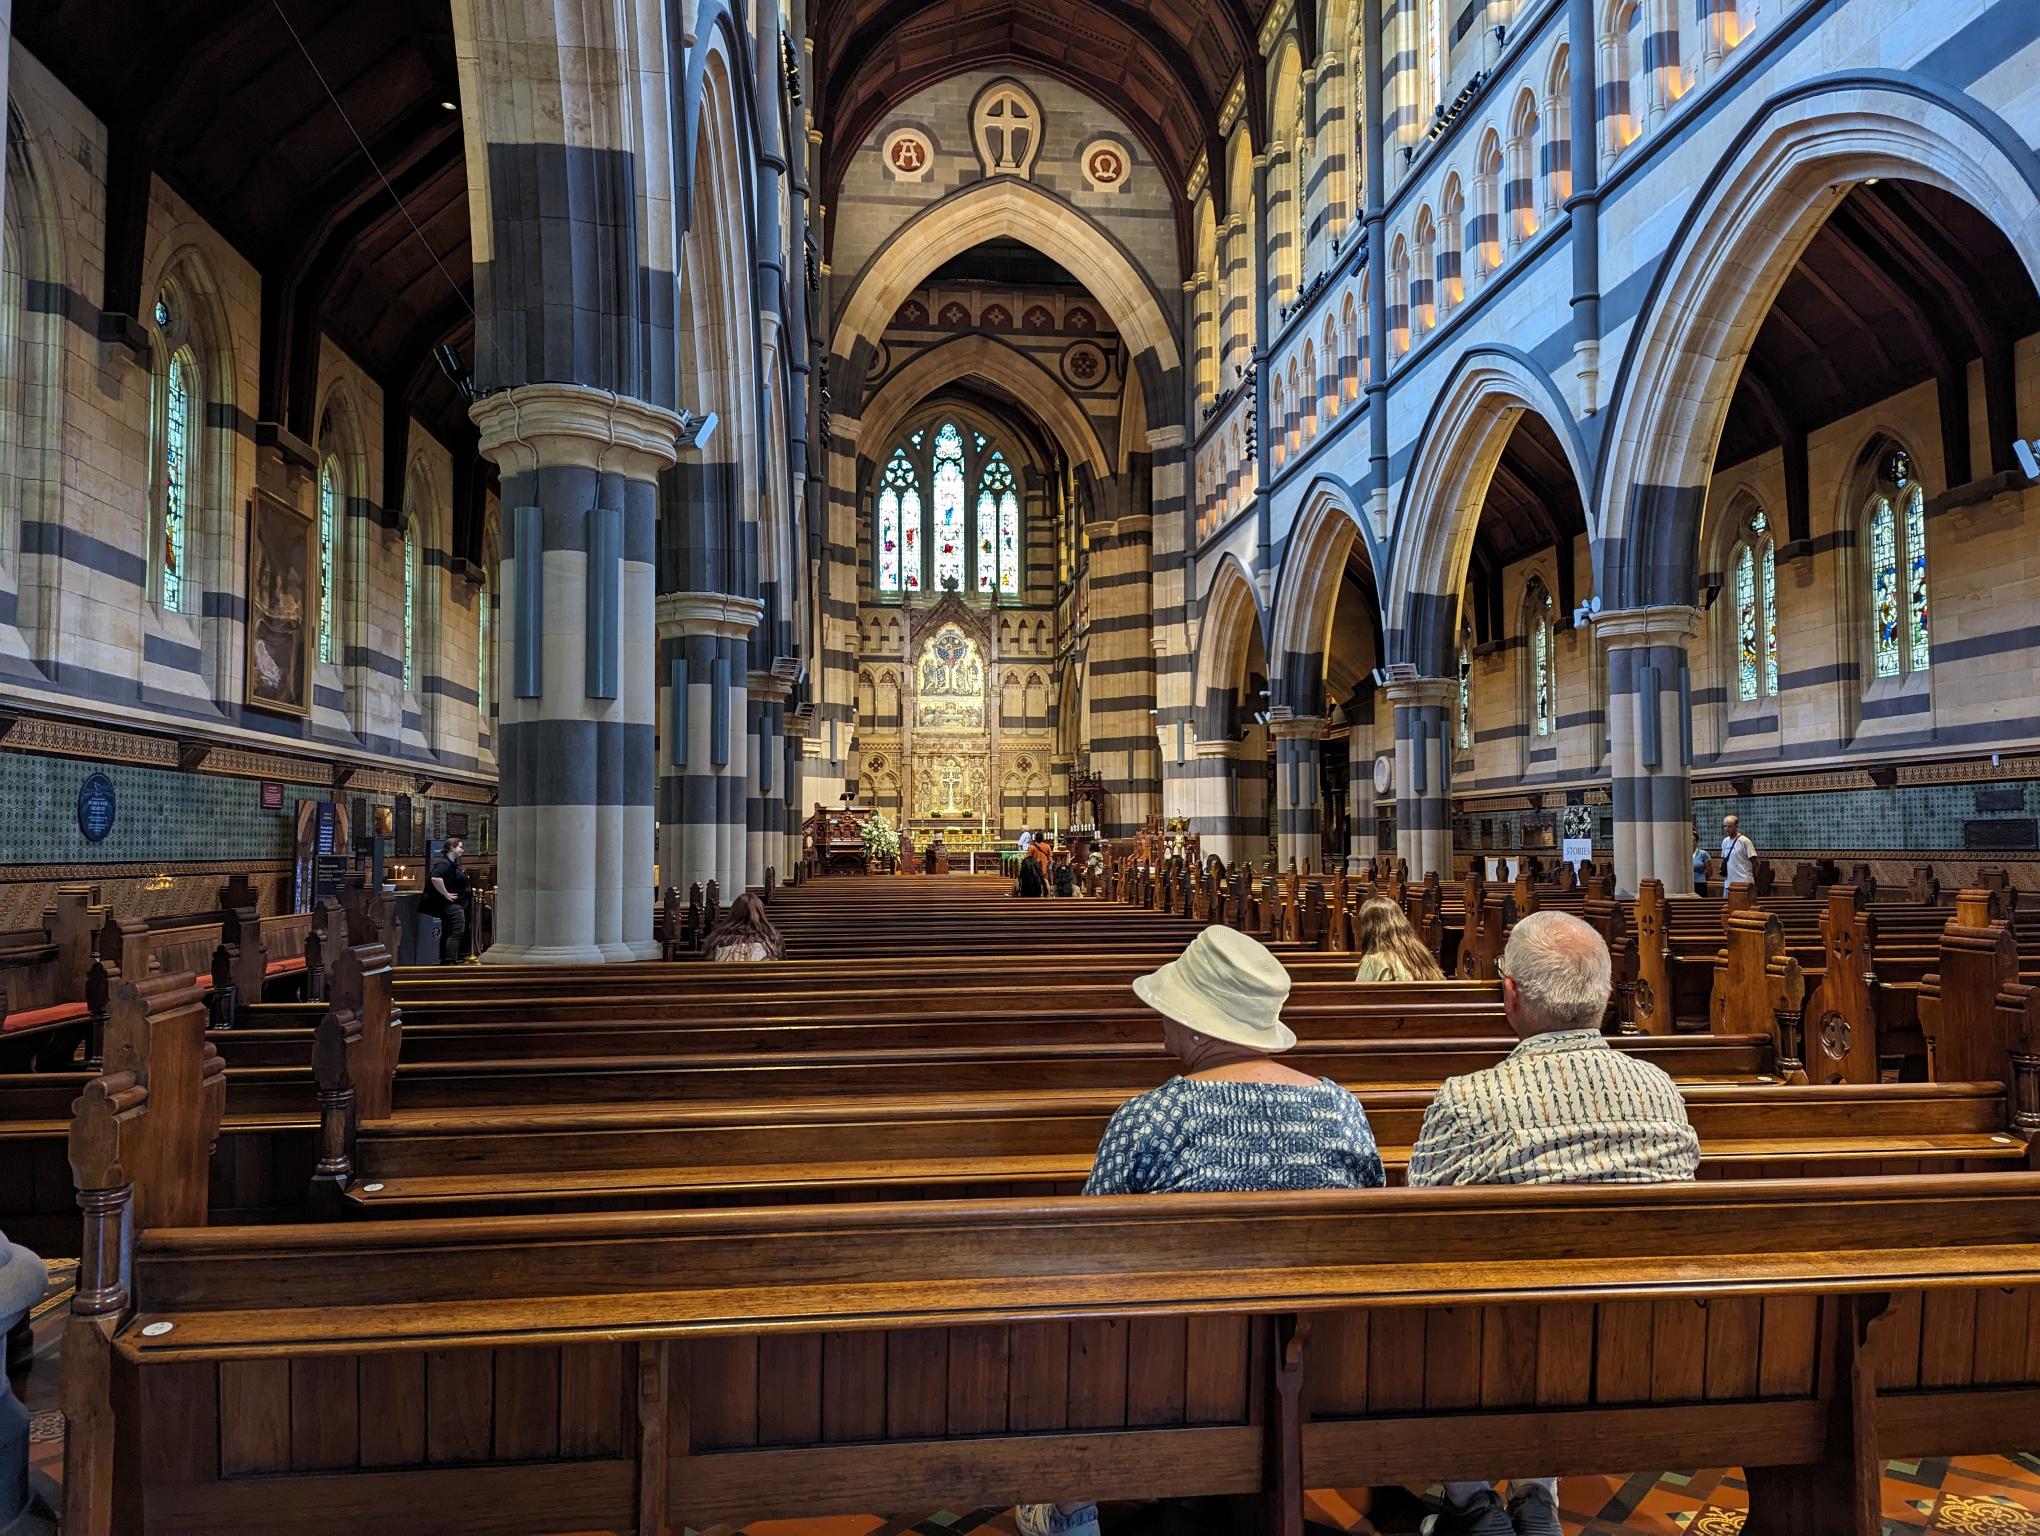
(1977, 1496)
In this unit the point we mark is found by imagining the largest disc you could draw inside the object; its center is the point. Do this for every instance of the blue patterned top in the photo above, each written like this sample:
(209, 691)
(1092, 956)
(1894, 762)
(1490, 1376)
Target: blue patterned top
(1203, 1134)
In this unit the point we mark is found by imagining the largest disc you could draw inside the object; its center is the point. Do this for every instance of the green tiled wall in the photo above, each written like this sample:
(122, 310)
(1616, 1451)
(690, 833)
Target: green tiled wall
(1925, 818)
(160, 815)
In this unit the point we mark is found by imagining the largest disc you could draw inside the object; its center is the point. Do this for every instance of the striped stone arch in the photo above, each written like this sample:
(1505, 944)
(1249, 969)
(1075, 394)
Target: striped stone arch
(1307, 590)
(1801, 153)
(1486, 395)
(1232, 619)
(997, 362)
(1008, 207)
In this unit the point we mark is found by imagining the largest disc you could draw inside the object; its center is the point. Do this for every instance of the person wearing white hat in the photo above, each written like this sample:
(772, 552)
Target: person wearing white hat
(1235, 1120)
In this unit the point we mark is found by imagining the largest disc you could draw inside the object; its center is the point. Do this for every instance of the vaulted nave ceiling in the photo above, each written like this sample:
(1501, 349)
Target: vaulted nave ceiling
(1167, 65)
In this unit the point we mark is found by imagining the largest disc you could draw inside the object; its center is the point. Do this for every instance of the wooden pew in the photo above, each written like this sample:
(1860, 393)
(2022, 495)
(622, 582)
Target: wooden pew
(44, 1015)
(640, 1373)
(1975, 1007)
(571, 1159)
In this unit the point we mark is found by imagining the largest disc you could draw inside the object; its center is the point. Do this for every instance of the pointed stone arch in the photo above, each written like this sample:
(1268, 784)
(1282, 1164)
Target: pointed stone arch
(1487, 393)
(998, 362)
(1307, 587)
(1801, 153)
(1008, 207)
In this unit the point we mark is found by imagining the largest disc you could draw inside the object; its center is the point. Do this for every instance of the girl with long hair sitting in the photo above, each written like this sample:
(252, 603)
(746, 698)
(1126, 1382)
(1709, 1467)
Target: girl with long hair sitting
(1389, 947)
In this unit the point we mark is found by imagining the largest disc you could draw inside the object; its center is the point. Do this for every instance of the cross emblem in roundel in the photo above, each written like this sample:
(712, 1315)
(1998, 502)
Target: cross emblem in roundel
(1834, 1036)
(1646, 1000)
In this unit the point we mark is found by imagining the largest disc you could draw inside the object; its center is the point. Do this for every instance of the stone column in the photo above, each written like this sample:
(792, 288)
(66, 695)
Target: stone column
(574, 658)
(1214, 797)
(836, 709)
(1122, 737)
(1299, 804)
(705, 763)
(1423, 773)
(766, 812)
(1650, 741)
(1361, 835)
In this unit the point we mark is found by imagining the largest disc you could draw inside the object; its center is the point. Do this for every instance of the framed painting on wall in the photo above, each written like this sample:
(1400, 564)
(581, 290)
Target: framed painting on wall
(280, 605)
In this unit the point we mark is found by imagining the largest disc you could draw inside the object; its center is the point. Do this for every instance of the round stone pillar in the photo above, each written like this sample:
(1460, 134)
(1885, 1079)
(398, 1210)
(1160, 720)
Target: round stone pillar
(574, 657)
(1299, 800)
(705, 762)
(1213, 793)
(1423, 773)
(1650, 744)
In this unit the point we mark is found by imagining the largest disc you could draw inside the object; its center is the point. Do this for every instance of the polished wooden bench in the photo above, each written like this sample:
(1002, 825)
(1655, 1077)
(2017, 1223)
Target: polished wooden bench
(575, 1158)
(641, 1373)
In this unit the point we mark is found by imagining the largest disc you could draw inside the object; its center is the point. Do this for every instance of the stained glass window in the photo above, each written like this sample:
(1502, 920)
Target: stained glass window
(1749, 637)
(1770, 578)
(485, 620)
(1465, 694)
(329, 495)
(998, 529)
(1885, 617)
(899, 527)
(1543, 688)
(950, 535)
(1916, 577)
(411, 606)
(177, 444)
(1009, 538)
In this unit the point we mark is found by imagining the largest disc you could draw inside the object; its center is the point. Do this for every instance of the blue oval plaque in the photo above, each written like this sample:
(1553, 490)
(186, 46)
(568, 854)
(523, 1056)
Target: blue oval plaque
(95, 807)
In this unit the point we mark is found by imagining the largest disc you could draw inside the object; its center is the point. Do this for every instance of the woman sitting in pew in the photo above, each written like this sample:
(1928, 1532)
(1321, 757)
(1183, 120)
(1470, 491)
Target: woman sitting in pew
(745, 933)
(1235, 1120)
(1389, 947)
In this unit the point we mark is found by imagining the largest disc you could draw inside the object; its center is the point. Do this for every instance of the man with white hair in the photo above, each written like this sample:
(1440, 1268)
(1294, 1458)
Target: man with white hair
(1562, 1108)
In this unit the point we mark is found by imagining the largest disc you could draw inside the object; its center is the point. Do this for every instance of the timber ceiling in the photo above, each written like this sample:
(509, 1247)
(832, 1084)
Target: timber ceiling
(1903, 284)
(217, 98)
(1532, 502)
(1166, 65)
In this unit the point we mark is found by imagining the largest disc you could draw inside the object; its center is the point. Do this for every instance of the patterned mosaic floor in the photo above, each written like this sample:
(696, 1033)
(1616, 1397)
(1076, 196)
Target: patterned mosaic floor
(1976, 1496)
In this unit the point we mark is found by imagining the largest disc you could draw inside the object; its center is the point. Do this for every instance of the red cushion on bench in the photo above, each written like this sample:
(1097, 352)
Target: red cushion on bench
(62, 1013)
(278, 967)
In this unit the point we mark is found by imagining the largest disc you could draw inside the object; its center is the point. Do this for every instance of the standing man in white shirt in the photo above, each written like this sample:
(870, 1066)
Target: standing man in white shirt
(1026, 839)
(1738, 855)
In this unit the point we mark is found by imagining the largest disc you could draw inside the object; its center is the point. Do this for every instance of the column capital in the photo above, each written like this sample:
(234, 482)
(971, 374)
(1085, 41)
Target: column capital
(709, 613)
(1120, 527)
(1630, 628)
(1298, 728)
(1217, 748)
(768, 685)
(1422, 690)
(545, 426)
(844, 429)
(1163, 439)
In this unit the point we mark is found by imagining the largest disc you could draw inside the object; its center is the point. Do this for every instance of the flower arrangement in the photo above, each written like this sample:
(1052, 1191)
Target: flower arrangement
(881, 838)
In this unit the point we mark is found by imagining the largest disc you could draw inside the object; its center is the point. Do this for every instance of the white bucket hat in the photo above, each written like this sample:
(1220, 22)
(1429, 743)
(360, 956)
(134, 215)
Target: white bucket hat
(1226, 986)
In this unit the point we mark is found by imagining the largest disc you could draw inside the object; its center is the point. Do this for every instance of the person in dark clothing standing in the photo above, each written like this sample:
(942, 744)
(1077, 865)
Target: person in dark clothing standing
(446, 892)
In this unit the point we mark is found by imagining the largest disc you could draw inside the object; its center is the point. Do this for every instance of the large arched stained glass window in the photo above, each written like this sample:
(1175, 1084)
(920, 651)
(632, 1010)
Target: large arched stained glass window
(329, 496)
(974, 543)
(179, 438)
(1901, 633)
(899, 527)
(1755, 571)
(998, 529)
(411, 606)
(952, 538)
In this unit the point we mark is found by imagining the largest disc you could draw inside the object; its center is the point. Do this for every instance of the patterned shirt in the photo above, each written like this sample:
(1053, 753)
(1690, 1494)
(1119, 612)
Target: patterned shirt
(1203, 1134)
(1562, 1108)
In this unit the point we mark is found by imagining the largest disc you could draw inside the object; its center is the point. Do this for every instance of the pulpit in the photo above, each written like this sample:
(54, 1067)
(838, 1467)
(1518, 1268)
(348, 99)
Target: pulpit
(833, 838)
